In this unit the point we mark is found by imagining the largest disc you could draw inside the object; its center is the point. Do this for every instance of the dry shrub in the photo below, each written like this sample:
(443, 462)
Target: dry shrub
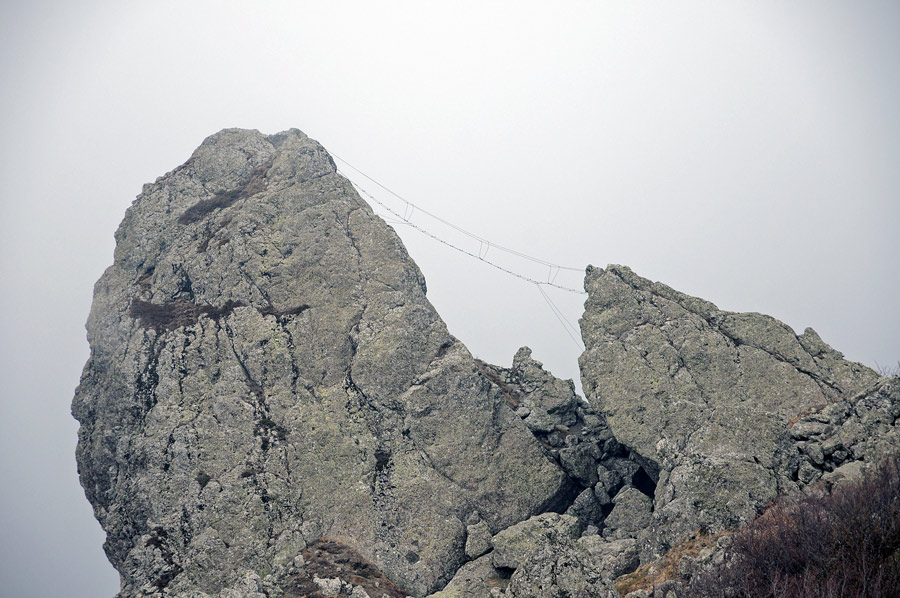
(510, 394)
(666, 568)
(845, 543)
(256, 183)
(178, 313)
(328, 559)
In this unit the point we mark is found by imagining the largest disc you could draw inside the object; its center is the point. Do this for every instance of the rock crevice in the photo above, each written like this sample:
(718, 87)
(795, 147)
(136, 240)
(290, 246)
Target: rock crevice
(705, 395)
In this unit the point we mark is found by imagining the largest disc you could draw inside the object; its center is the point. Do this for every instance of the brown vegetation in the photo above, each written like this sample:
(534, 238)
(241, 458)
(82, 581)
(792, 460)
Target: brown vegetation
(175, 314)
(256, 183)
(647, 576)
(843, 543)
(181, 312)
(509, 394)
(327, 559)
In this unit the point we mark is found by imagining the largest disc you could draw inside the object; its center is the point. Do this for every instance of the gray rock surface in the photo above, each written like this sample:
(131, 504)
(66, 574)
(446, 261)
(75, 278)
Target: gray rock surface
(543, 557)
(632, 513)
(581, 568)
(546, 403)
(272, 408)
(475, 579)
(837, 441)
(572, 433)
(703, 398)
(515, 544)
(478, 539)
(266, 370)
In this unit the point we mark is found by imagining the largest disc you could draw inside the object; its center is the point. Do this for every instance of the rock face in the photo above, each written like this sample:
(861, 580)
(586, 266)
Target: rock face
(835, 442)
(266, 372)
(273, 409)
(573, 435)
(704, 399)
(580, 552)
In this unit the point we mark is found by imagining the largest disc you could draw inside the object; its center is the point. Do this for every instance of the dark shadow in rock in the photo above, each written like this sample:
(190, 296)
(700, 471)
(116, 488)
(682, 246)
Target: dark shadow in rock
(643, 482)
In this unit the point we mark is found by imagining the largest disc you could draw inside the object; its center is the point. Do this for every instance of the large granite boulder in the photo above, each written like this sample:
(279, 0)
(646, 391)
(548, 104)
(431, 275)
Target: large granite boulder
(545, 557)
(704, 398)
(266, 372)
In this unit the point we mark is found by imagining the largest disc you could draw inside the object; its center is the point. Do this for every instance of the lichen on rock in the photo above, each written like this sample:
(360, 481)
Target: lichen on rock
(705, 397)
(272, 408)
(266, 370)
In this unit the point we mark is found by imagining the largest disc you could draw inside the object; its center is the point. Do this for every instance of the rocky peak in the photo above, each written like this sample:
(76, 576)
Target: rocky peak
(705, 395)
(272, 408)
(266, 372)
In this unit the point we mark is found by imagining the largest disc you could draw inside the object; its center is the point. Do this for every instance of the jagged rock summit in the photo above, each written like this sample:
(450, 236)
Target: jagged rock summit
(713, 403)
(268, 382)
(273, 409)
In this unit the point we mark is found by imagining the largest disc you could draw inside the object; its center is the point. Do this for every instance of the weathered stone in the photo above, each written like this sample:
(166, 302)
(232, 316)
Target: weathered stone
(330, 586)
(563, 568)
(264, 361)
(807, 473)
(586, 508)
(815, 453)
(845, 473)
(623, 470)
(475, 579)
(839, 456)
(580, 462)
(806, 429)
(546, 403)
(866, 423)
(515, 544)
(478, 539)
(601, 495)
(272, 407)
(631, 513)
(540, 421)
(615, 557)
(544, 391)
(831, 445)
(704, 397)
(607, 479)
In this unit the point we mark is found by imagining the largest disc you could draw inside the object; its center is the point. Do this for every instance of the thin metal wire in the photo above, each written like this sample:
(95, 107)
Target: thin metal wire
(460, 249)
(454, 226)
(567, 326)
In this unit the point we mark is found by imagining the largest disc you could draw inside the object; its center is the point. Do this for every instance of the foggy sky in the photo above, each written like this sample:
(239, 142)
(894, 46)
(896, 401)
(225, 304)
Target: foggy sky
(743, 152)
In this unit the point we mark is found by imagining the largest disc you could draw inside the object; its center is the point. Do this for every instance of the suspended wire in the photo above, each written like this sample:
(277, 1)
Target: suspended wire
(412, 207)
(484, 247)
(567, 326)
(567, 323)
(480, 256)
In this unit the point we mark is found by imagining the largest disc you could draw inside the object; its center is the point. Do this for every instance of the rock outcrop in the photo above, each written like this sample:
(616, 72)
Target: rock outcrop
(711, 402)
(266, 372)
(575, 436)
(580, 552)
(273, 409)
(838, 440)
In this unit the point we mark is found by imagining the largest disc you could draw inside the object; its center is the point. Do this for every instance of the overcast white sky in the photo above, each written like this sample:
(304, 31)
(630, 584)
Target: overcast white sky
(745, 152)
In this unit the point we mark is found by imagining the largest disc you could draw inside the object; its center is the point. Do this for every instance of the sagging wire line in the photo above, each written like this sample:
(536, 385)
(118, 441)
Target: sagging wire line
(478, 257)
(411, 207)
(567, 326)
